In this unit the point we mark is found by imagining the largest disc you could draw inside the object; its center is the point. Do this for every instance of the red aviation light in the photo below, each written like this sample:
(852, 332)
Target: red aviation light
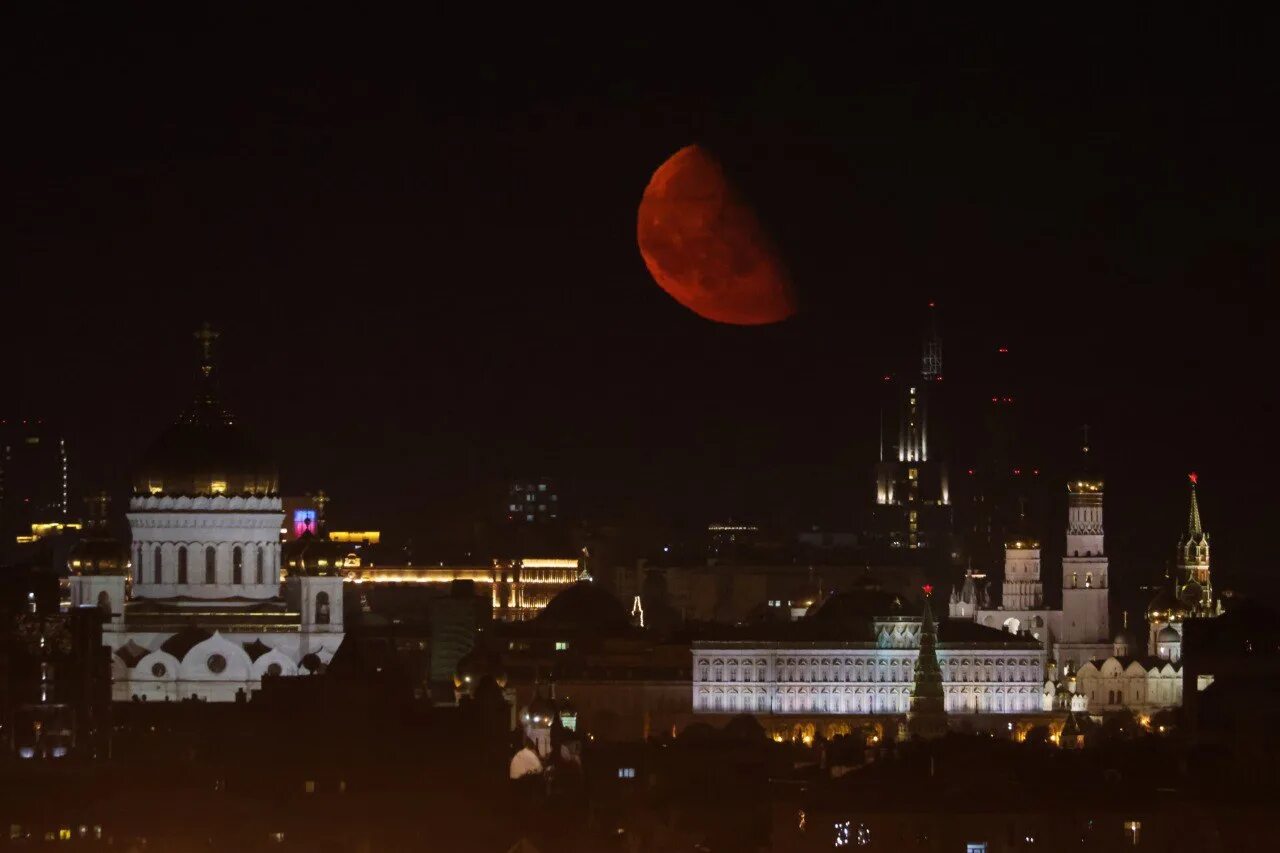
(1003, 349)
(888, 378)
(1194, 478)
(995, 399)
(1017, 472)
(928, 589)
(970, 472)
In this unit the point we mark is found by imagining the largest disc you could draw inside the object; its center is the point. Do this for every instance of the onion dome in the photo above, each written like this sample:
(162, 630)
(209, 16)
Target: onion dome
(1166, 607)
(540, 711)
(1191, 594)
(313, 556)
(99, 553)
(1168, 634)
(205, 452)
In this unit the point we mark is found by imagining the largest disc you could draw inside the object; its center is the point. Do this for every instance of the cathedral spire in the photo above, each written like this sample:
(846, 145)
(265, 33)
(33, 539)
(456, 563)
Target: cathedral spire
(207, 409)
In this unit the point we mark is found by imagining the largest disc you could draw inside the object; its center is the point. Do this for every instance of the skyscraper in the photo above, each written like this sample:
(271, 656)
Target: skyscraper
(34, 481)
(912, 485)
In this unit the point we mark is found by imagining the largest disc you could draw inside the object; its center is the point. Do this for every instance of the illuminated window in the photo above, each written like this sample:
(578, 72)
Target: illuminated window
(542, 487)
(976, 847)
(626, 773)
(218, 487)
(562, 645)
(913, 473)
(64, 834)
(309, 786)
(1132, 829)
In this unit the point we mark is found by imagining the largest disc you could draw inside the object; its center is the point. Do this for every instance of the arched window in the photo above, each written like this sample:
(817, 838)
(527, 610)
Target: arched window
(157, 566)
(138, 574)
(182, 564)
(261, 561)
(104, 603)
(210, 565)
(237, 565)
(322, 608)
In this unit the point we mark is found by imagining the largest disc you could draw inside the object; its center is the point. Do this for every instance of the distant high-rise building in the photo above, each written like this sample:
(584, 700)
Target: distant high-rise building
(999, 491)
(913, 490)
(532, 501)
(34, 483)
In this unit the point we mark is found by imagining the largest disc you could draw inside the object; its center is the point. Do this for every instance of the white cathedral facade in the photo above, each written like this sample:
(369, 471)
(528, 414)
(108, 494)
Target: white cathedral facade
(197, 610)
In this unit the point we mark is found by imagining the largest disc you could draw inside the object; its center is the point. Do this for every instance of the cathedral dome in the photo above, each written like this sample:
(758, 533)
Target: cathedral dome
(1168, 634)
(588, 606)
(205, 456)
(205, 452)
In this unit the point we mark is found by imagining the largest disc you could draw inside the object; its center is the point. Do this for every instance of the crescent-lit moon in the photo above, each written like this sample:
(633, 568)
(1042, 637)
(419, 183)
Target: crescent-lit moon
(706, 248)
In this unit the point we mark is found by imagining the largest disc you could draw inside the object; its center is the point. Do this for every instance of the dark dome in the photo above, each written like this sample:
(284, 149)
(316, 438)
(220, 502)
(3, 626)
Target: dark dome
(1164, 603)
(205, 452)
(99, 556)
(1168, 635)
(585, 605)
(540, 709)
(205, 457)
(314, 557)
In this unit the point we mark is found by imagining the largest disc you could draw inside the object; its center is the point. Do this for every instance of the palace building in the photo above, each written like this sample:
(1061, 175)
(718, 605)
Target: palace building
(856, 653)
(195, 606)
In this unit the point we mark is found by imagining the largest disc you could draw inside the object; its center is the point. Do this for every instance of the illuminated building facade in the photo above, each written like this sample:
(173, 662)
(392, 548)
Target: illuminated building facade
(912, 486)
(517, 589)
(198, 610)
(856, 654)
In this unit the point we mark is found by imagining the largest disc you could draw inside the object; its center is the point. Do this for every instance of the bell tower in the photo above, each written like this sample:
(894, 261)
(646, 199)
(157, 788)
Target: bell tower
(1085, 631)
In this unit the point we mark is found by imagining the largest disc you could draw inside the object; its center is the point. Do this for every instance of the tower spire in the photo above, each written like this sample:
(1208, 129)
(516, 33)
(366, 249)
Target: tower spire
(928, 708)
(1193, 523)
(931, 363)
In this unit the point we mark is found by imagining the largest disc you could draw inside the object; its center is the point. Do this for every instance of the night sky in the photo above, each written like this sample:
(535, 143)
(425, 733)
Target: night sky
(418, 242)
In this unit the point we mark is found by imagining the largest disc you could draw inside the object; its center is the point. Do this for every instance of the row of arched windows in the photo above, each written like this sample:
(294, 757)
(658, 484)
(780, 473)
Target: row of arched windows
(209, 574)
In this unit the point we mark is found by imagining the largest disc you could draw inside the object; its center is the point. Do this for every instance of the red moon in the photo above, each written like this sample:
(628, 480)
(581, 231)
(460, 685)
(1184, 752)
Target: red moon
(705, 247)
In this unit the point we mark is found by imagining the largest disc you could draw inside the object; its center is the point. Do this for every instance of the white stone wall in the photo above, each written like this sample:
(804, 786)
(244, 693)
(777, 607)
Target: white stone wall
(859, 680)
(1112, 685)
(163, 526)
(1023, 589)
(159, 676)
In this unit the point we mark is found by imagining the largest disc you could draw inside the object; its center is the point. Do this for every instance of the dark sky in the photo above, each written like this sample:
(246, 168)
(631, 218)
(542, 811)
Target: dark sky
(418, 240)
